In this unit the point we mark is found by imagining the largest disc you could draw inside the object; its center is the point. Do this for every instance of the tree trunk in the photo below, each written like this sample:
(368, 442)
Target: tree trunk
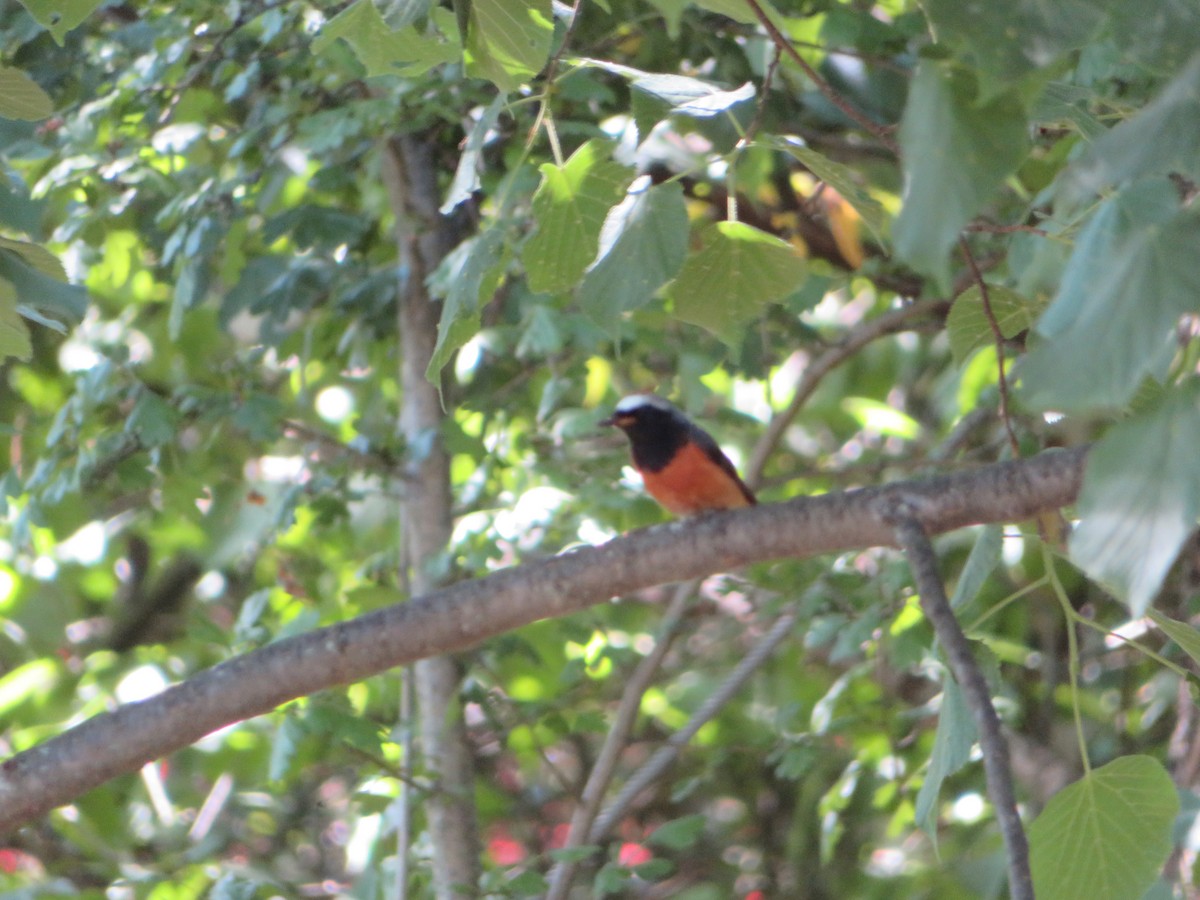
(424, 236)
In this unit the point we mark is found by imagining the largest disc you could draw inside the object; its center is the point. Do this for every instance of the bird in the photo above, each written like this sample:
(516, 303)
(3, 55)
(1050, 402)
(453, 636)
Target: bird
(681, 465)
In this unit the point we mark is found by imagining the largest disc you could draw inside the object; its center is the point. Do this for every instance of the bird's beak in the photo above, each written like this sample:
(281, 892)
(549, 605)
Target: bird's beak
(607, 423)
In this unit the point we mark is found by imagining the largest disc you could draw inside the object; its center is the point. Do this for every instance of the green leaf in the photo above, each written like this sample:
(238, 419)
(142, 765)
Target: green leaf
(679, 834)
(466, 173)
(14, 334)
(570, 207)
(951, 749)
(21, 98)
(1131, 277)
(381, 50)
(467, 275)
(642, 245)
(1140, 498)
(60, 16)
(981, 562)
(1009, 40)
(1187, 637)
(152, 420)
(1107, 835)
(841, 178)
(682, 94)
(508, 41)
(967, 325)
(735, 273)
(1162, 138)
(26, 270)
(956, 152)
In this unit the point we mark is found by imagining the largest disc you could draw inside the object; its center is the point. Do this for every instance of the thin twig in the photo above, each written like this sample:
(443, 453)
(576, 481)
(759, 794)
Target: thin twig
(911, 536)
(606, 762)
(665, 755)
(785, 45)
(1006, 229)
(998, 338)
(863, 334)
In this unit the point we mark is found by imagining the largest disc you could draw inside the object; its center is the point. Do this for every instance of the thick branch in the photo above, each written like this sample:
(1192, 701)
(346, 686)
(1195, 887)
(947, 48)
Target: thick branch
(923, 562)
(59, 770)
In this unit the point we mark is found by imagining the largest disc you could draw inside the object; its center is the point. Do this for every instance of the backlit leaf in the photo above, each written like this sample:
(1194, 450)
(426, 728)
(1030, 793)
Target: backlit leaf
(570, 207)
(508, 41)
(737, 270)
(21, 98)
(381, 50)
(60, 16)
(1106, 836)
(967, 325)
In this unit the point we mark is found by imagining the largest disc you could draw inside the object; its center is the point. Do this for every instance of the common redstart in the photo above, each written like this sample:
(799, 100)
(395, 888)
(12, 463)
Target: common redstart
(680, 464)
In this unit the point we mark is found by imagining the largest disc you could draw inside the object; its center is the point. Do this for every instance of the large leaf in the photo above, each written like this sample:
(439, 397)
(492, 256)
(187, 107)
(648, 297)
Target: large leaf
(842, 179)
(968, 326)
(570, 206)
(1163, 137)
(951, 749)
(381, 50)
(21, 98)
(1131, 277)
(956, 152)
(1140, 498)
(508, 41)
(737, 270)
(642, 245)
(1106, 836)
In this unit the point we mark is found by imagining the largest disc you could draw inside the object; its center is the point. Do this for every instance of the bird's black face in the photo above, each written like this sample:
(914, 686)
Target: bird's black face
(655, 431)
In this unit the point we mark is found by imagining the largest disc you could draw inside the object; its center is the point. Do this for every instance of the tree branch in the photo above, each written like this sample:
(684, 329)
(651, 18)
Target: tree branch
(921, 559)
(455, 617)
(614, 742)
(665, 755)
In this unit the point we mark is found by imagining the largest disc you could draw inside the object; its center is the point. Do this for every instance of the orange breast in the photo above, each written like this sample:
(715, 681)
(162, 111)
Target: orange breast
(692, 482)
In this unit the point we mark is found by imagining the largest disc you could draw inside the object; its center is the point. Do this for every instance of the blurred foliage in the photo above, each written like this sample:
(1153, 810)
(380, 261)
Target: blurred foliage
(205, 440)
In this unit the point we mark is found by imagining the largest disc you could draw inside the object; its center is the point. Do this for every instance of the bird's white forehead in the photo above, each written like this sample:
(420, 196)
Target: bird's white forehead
(637, 401)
